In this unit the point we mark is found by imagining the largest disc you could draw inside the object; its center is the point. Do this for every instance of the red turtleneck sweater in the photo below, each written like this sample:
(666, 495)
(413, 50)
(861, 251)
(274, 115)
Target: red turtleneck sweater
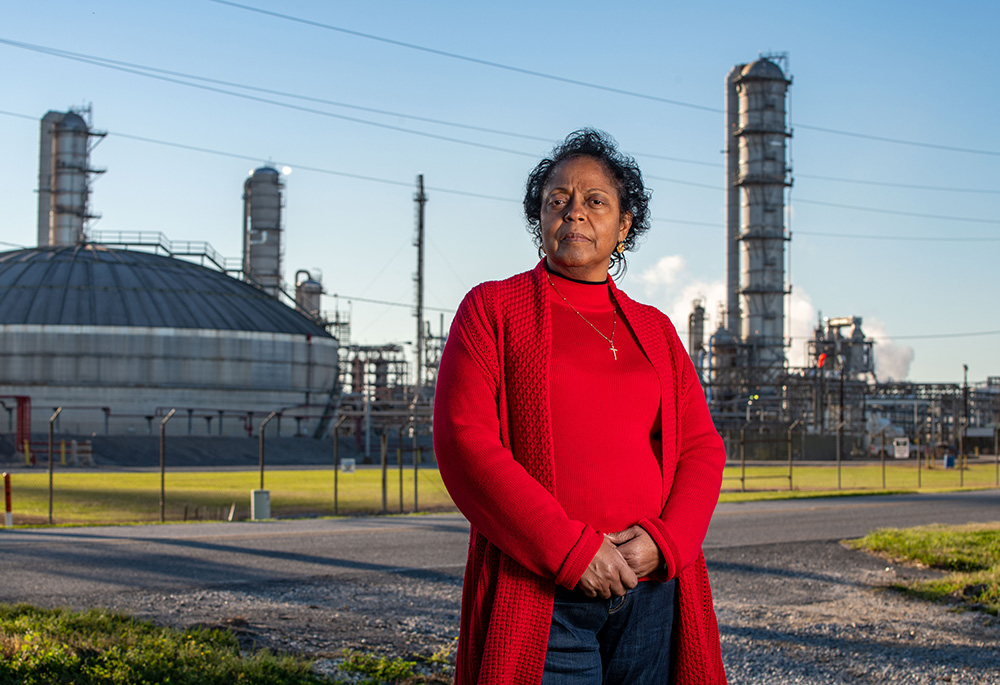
(605, 411)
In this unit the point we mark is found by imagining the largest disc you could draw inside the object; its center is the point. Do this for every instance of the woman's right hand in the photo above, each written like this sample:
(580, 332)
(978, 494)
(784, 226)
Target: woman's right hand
(608, 573)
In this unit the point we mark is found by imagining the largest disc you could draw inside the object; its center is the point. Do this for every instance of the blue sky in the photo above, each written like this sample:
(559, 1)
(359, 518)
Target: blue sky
(904, 235)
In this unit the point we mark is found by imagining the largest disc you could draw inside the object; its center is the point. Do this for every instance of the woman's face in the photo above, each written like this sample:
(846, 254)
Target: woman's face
(581, 219)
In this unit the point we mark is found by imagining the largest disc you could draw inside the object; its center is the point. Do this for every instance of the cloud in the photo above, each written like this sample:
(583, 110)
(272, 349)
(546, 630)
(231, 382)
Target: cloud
(670, 287)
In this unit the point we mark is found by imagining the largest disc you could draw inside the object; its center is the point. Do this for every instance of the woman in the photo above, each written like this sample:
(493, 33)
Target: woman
(571, 430)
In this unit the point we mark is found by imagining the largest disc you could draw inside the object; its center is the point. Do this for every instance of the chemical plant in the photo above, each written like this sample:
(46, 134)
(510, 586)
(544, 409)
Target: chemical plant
(124, 330)
(835, 402)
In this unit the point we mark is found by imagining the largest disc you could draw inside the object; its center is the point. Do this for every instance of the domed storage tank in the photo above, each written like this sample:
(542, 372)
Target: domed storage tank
(120, 337)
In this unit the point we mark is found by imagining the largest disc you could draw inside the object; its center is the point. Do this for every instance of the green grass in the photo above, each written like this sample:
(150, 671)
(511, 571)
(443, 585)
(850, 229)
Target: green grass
(57, 647)
(89, 497)
(855, 478)
(108, 497)
(970, 555)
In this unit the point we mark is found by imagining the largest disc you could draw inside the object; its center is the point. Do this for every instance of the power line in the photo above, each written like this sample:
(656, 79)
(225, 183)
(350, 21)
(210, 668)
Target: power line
(466, 58)
(929, 336)
(495, 198)
(140, 70)
(584, 84)
(909, 186)
(885, 139)
(288, 105)
(387, 303)
(862, 236)
(112, 63)
(898, 212)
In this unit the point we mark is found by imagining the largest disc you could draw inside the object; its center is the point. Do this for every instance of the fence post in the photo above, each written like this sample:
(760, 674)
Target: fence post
(163, 465)
(743, 458)
(399, 459)
(8, 517)
(384, 440)
(996, 456)
(52, 421)
(790, 429)
(416, 463)
(882, 454)
(263, 425)
(336, 464)
(839, 433)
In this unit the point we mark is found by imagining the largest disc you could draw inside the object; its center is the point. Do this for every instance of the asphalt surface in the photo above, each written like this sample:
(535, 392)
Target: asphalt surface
(794, 606)
(78, 566)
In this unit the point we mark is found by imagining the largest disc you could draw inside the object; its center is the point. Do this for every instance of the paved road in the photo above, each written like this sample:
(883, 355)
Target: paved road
(62, 566)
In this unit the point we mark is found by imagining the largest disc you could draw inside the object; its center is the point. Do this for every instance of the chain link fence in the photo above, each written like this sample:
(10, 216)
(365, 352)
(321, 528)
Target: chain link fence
(65, 479)
(174, 478)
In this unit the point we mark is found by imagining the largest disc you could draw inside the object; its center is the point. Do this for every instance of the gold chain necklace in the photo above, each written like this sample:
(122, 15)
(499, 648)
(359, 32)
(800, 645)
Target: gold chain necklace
(614, 318)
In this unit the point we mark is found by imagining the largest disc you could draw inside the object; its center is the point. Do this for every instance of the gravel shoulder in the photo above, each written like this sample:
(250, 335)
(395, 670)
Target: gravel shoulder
(788, 613)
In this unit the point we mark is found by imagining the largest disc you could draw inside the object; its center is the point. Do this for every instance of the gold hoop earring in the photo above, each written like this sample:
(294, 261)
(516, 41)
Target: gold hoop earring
(621, 247)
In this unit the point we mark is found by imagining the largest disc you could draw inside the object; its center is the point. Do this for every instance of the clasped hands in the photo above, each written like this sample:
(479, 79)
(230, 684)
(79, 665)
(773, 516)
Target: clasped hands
(622, 559)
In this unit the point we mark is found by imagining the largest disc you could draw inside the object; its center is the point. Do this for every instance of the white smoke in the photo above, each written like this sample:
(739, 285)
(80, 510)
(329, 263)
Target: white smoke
(892, 360)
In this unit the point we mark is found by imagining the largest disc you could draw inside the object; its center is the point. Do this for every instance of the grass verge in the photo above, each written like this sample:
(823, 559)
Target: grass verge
(970, 555)
(58, 647)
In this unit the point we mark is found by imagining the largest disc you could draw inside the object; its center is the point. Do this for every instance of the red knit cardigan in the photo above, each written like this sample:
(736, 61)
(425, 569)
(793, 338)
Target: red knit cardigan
(506, 608)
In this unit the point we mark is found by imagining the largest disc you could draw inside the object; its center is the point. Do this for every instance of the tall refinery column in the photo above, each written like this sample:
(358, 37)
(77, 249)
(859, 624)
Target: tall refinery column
(64, 178)
(763, 177)
(262, 229)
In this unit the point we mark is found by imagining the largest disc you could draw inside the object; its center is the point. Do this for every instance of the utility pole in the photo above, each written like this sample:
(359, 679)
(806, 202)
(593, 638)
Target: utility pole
(418, 241)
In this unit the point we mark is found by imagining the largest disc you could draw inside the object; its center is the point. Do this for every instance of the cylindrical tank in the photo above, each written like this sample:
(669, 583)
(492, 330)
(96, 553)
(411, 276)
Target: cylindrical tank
(308, 295)
(262, 228)
(762, 179)
(63, 182)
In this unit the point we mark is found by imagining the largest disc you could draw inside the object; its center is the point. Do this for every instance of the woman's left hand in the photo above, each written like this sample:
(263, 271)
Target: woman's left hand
(638, 549)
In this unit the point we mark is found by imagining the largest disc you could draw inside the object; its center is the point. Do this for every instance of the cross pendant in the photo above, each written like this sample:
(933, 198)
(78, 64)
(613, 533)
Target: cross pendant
(614, 351)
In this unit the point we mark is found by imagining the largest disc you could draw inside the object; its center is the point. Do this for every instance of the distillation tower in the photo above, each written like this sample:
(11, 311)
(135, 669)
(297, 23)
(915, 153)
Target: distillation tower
(64, 177)
(262, 202)
(748, 350)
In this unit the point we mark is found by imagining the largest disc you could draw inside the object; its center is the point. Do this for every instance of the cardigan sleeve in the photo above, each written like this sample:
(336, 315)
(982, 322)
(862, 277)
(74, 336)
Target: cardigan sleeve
(681, 528)
(494, 492)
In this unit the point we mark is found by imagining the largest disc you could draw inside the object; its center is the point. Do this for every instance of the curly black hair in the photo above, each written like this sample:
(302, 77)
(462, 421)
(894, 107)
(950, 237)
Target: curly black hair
(633, 196)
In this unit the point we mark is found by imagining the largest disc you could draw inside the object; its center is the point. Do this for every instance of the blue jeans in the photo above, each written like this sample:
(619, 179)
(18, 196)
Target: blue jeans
(618, 640)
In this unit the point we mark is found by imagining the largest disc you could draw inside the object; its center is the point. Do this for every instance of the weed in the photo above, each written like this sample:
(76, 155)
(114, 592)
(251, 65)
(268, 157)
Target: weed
(970, 553)
(380, 668)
